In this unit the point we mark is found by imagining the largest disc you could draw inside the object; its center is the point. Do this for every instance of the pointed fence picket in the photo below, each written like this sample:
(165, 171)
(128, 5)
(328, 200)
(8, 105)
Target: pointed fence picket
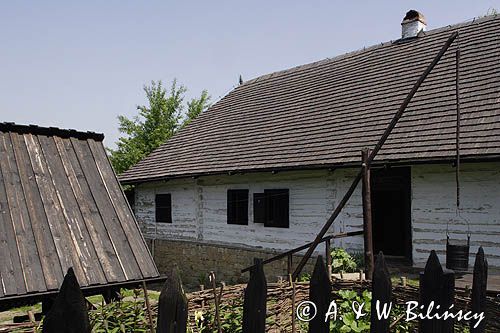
(255, 299)
(320, 296)
(68, 313)
(479, 284)
(381, 295)
(172, 306)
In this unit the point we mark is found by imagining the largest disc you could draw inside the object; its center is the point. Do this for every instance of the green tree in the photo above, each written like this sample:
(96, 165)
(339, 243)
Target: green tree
(154, 124)
(197, 106)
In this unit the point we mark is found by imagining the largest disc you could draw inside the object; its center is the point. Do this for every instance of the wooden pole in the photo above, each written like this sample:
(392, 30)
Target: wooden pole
(148, 306)
(328, 254)
(367, 215)
(289, 264)
(374, 153)
(216, 299)
(294, 329)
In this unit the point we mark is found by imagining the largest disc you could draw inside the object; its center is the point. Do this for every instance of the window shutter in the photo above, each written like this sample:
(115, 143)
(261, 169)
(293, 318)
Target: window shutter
(277, 208)
(259, 208)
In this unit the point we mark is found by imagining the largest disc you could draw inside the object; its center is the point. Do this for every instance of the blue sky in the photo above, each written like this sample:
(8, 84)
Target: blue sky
(80, 65)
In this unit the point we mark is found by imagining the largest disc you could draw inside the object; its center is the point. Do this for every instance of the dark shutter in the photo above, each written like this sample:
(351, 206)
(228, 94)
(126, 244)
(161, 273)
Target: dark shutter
(163, 208)
(277, 208)
(237, 207)
(259, 208)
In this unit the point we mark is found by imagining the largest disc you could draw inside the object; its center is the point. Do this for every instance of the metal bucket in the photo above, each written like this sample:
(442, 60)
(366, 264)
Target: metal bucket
(457, 255)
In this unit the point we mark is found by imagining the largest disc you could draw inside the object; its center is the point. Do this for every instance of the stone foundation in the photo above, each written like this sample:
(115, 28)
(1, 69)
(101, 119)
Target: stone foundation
(196, 259)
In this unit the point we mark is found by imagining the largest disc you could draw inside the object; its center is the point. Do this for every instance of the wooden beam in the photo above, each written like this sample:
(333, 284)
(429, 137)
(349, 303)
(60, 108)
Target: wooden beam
(374, 153)
(367, 215)
(305, 246)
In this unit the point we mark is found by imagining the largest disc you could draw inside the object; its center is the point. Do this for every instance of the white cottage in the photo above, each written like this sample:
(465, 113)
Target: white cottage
(263, 168)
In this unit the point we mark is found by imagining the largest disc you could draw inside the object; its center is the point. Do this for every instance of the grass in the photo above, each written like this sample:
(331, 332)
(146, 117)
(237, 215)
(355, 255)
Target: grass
(7, 316)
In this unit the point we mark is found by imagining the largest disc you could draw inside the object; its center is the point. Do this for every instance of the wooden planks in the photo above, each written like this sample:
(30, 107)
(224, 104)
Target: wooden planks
(106, 251)
(120, 204)
(61, 207)
(55, 217)
(32, 275)
(76, 228)
(10, 262)
(51, 266)
(118, 237)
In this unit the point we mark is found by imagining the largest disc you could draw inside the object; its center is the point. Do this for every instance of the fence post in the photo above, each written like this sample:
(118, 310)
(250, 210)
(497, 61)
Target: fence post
(172, 306)
(328, 254)
(437, 287)
(255, 298)
(289, 263)
(381, 294)
(320, 295)
(69, 311)
(367, 214)
(479, 284)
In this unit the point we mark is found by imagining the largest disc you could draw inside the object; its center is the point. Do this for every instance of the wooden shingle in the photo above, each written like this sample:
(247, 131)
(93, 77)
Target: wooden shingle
(322, 114)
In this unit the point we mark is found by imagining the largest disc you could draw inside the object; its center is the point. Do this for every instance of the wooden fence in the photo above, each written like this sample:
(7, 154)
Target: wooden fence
(437, 287)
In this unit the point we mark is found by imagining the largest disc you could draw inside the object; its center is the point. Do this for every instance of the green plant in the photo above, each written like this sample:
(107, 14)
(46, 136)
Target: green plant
(359, 259)
(120, 317)
(155, 123)
(343, 261)
(347, 322)
(231, 315)
(305, 277)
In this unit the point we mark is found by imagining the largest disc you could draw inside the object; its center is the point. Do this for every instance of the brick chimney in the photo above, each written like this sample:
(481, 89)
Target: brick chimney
(413, 23)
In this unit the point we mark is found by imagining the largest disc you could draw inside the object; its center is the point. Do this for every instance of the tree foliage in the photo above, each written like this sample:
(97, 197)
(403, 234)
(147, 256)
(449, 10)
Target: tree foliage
(155, 123)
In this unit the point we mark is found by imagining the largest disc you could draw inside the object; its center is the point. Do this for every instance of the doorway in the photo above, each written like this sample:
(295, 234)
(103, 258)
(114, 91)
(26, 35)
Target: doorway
(391, 212)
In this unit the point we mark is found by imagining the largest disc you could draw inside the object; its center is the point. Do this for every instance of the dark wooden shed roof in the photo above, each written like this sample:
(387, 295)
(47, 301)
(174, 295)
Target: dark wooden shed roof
(322, 114)
(61, 206)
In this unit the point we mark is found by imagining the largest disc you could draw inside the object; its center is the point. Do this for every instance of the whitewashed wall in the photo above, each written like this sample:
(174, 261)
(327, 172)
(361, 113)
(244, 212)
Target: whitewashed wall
(185, 201)
(199, 208)
(433, 205)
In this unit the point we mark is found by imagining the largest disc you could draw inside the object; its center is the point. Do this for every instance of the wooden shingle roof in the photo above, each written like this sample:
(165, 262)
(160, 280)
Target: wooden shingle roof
(322, 114)
(61, 206)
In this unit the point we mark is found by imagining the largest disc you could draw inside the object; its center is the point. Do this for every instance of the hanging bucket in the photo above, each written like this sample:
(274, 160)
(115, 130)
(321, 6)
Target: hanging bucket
(457, 254)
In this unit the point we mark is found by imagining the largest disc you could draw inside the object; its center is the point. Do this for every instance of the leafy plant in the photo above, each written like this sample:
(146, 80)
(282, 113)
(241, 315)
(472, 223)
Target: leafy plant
(120, 317)
(348, 321)
(305, 277)
(231, 315)
(343, 261)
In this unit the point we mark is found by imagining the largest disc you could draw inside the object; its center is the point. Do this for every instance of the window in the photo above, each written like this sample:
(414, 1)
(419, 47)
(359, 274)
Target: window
(163, 208)
(276, 203)
(237, 207)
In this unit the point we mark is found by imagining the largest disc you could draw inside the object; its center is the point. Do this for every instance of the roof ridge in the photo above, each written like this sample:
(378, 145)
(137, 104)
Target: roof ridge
(50, 131)
(468, 22)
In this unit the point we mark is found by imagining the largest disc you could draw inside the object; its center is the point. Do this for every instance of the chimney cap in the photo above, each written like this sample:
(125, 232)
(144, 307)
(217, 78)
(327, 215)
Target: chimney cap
(414, 15)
